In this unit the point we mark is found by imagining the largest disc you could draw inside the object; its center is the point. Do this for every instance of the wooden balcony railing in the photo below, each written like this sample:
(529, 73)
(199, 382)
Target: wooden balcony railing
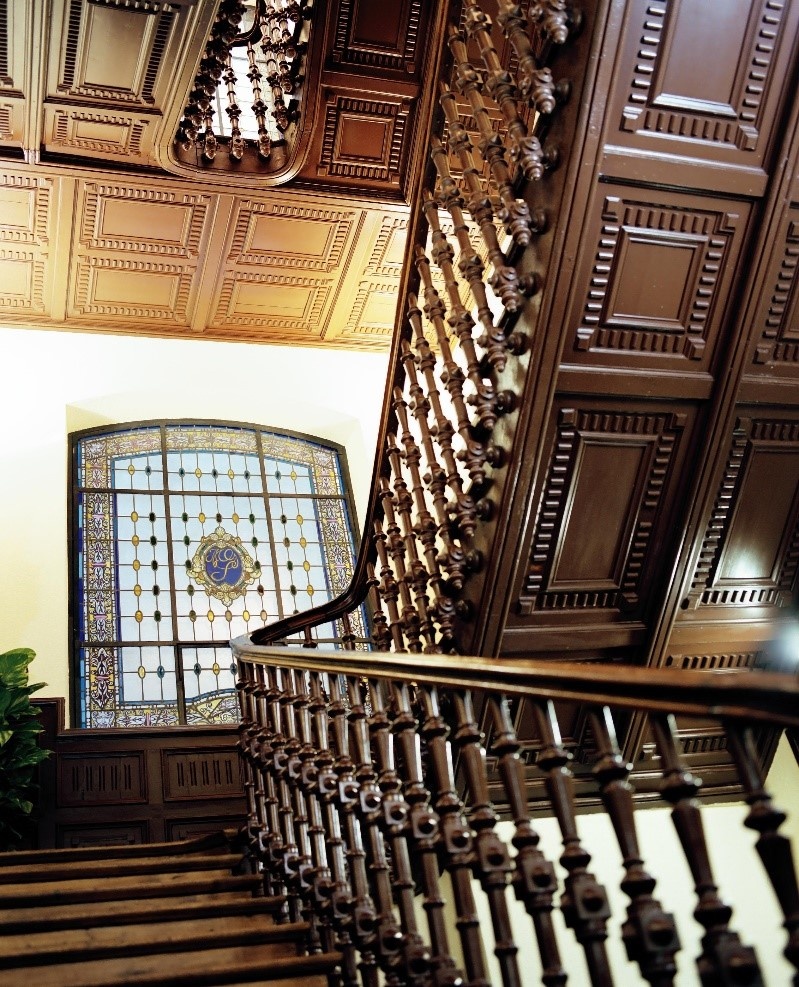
(371, 786)
(482, 230)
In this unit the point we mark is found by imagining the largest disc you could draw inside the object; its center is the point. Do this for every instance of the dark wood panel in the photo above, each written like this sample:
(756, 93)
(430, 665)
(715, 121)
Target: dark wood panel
(750, 548)
(603, 514)
(777, 319)
(653, 280)
(699, 85)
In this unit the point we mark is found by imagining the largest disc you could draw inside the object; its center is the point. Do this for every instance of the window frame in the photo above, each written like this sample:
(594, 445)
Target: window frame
(74, 600)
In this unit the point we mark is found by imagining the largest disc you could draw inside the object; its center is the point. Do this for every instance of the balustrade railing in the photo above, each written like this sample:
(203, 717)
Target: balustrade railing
(457, 361)
(371, 787)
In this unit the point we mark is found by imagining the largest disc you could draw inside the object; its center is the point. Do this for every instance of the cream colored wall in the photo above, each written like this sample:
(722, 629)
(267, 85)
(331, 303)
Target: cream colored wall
(52, 383)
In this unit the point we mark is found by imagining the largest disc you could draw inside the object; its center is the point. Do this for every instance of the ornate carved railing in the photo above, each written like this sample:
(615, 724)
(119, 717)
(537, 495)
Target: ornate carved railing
(247, 93)
(371, 789)
(481, 233)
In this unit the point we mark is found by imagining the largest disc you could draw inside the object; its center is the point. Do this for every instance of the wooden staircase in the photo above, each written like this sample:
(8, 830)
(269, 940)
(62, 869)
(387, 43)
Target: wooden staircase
(171, 913)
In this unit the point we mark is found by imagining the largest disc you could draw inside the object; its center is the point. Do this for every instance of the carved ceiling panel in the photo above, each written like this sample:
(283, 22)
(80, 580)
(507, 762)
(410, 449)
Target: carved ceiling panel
(208, 253)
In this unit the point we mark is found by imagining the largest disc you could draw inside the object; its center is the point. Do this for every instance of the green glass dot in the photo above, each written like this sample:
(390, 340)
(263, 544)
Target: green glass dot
(232, 668)
(151, 515)
(190, 589)
(153, 540)
(188, 563)
(252, 519)
(160, 672)
(197, 668)
(184, 516)
(254, 542)
(186, 540)
(192, 615)
(153, 565)
(218, 518)
(182, 472)
(283, 518)
(277, 474)
(293, 590)
(257, 566)
(148, 470)
(289, 566)
(246, 474)
(214, 473)
(157, 616)
(287, 542)
(156, 589)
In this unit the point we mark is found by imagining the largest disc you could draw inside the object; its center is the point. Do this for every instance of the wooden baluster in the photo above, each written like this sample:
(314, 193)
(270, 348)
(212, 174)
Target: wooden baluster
(425, 833)
(271, 841)
(425, 528)
(369, 811)
(389, 590)
(492, 864)
(381, 634)
(584, 902)
(774, 848)
(484, 397)
(395, 812)
(470, 263)
(504, 280)
(290, 855)
(649, 934)
(416, 575)
(263, 142)
(364, 914)
(514, 213)
(535, 83)
(463, 506)
(456, 838)
(473, 453)
(410, 616)
(534, 882)
(318, 875)
(293, 777)
(348, 638)
(724, 959)
(553, 19)
(453, 557)
(340, 894)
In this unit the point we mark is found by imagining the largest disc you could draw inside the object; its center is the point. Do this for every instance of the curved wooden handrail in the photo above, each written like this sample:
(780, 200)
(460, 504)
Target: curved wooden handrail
(765, 697)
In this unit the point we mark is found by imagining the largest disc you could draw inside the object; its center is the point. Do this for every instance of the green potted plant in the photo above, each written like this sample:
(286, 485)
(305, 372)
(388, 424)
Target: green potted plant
(20, 753)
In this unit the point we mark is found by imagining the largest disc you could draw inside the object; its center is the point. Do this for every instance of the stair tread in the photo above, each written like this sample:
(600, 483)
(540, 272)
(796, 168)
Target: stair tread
(175, 847)
(116, 867)
(89, 889)
(82, 945)
(84, 914)
(232, 964)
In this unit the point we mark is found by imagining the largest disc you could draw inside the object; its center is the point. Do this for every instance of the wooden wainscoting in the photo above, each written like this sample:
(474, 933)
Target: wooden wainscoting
(135, 786)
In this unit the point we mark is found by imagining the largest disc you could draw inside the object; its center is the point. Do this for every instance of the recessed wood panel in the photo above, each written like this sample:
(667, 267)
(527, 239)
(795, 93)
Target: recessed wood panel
(364, 139)
(653, 280)
(750, 551)
(700, 82)
(375, 310)
(777, 320)
(131, 290)
(107, 834)
(280, 235)
(602, 506)
(200, 774)
(102, 779)
(380, 35)
(273, 300)
(22, 282)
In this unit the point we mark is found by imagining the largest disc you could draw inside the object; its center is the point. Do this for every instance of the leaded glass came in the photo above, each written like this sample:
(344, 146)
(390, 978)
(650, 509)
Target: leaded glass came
(187, 535)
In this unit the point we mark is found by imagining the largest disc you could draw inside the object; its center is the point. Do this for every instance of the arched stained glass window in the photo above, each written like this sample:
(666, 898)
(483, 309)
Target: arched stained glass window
(185, 536)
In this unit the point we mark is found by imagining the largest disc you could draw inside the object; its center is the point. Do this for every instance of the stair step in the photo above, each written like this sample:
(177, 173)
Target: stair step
(84, 915)
(114, 888)
(206, 843)
(84, 945)
(57, 870)
(195, 968)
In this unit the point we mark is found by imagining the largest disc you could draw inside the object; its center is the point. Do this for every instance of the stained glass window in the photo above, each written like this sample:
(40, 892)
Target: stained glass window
(185, 536)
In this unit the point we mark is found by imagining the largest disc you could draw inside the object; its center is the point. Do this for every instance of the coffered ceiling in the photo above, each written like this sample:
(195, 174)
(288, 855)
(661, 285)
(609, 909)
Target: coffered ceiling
(104, 227)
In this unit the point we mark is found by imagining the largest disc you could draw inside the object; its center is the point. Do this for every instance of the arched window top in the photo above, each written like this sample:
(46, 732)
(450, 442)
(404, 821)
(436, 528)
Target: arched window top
(184, 535)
